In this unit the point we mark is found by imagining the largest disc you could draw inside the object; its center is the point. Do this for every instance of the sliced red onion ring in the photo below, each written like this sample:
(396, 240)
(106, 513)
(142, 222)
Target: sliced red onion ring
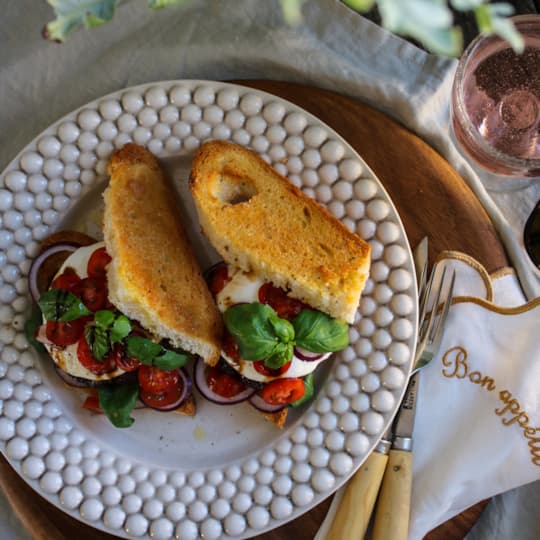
(258, 402)
(307, 356)
(39, 260)
(185, 381)
(210, 395)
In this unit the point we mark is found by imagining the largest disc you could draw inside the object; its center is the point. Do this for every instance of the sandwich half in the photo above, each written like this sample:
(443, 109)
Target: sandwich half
(291, 280)
(124, 316)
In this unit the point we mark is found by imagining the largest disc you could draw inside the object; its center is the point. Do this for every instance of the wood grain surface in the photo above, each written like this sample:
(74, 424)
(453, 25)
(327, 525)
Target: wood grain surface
(431, 200)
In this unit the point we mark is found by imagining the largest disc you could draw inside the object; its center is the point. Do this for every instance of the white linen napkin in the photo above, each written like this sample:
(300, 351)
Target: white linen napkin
(476, 432)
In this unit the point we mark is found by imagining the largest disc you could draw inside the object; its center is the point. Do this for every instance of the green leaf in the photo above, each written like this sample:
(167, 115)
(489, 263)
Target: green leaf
(281, 355)
(120, 329)
(72, 14)
(59, 305)
(320, 333)
(98, 340)
(360, 5)
(253, 328)
(104, 318)
(158, 4)
(170, 360)
(118, 402)
(142, 349)
(283, 328)
(30, 327)
(309, 385)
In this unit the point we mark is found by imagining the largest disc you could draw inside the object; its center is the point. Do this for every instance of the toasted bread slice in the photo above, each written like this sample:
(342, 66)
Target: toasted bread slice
(259, 221)
(154, 277)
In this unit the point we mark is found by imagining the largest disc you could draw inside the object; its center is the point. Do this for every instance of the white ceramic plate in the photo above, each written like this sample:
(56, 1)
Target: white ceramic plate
(225, 473)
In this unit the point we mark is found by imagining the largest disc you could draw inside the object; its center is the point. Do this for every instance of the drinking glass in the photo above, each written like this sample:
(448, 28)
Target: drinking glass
(496, 102)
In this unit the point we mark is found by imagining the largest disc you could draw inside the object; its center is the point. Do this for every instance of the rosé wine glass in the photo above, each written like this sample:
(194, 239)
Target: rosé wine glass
(496, 102)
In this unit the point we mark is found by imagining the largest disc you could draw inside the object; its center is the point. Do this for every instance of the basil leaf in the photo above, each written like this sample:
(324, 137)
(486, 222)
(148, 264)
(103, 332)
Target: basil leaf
(104, 318)
(120, 329)
(170, 360)
(253, 328)
(283, 352)
(142, 349)
(30, 329)
(320, 333)
(118, 402)
(284, 329)
(59, 305)
(97, 339)
(309, 390)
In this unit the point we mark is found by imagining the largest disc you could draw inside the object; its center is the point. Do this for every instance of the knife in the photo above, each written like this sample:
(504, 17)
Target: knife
(356, 506)
(393, 507)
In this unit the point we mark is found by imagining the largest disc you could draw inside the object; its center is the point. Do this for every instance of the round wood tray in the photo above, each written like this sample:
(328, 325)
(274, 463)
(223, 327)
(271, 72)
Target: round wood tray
(431, 199)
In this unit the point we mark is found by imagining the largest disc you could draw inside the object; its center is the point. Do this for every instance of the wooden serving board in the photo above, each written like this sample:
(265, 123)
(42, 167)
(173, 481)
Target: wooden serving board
(431, 200)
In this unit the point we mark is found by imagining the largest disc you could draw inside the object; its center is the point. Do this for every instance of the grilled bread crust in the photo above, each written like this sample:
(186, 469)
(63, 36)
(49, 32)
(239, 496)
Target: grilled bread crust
(259, 221)
(153, 276)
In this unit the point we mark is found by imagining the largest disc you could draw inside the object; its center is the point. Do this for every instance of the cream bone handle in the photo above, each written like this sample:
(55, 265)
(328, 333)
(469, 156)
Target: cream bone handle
(356, 506)
(393, 507)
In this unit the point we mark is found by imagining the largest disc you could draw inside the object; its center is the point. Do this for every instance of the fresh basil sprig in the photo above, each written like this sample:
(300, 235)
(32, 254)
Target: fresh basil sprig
(108, 328)
(150, 353)
(309, 386)
(62, 306)
(118, 402)
(262, 335)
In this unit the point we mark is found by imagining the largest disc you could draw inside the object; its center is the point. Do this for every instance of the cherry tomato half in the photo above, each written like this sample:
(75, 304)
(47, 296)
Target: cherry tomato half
(97, 264)
(93, 292)
(217, 278)
(269, 372)
(159, 388)
(286, 307)
(222, 383)
(154, 380)
(283, 391)
(63, 334)
(68, 280)
(90, 362)
(230, 347)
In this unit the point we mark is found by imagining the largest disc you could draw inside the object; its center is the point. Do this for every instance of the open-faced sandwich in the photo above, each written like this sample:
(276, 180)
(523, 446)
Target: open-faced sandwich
(125, 315)
(289, 285)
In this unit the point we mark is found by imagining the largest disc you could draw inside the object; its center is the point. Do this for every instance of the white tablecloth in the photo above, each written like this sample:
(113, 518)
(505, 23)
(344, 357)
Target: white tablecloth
(333, 48)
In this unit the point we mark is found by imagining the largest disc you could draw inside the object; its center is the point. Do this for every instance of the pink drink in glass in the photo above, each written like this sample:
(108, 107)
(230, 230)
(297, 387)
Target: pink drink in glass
(496, 102)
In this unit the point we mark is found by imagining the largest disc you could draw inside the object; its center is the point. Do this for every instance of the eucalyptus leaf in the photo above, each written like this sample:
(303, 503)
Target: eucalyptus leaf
(320, 333)
(73, 14)
(59, 305)
(118, 402)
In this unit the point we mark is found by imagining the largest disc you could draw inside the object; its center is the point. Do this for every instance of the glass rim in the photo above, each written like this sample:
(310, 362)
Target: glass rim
(458, 103)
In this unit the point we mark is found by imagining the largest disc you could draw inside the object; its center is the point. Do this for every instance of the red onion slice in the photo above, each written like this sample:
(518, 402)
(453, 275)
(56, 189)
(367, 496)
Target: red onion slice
(185, 381)
(38, 262)
(307, 356)
(209, 394)
(258, 402)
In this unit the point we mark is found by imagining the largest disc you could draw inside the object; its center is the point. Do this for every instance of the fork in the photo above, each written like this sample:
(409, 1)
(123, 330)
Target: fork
(393, 507)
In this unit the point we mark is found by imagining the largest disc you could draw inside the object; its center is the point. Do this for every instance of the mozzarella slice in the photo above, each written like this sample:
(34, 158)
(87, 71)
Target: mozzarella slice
(66, 357)
(244, 288)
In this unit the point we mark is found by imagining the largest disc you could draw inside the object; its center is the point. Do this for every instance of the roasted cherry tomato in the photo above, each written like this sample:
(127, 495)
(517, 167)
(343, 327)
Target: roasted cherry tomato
(97, 264)
(283, 391)
(90, 362)
(218, 277)
(93, 292)
(230, 347)
(63, 334)
(155, 381)
(222, 383)
(68, 280)
(92, 404)
(269, 372)
(286, 307)
(159, 388)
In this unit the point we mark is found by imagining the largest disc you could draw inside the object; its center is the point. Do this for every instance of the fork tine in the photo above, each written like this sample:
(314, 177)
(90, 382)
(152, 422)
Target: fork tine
(436, 336)
(430, 318)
